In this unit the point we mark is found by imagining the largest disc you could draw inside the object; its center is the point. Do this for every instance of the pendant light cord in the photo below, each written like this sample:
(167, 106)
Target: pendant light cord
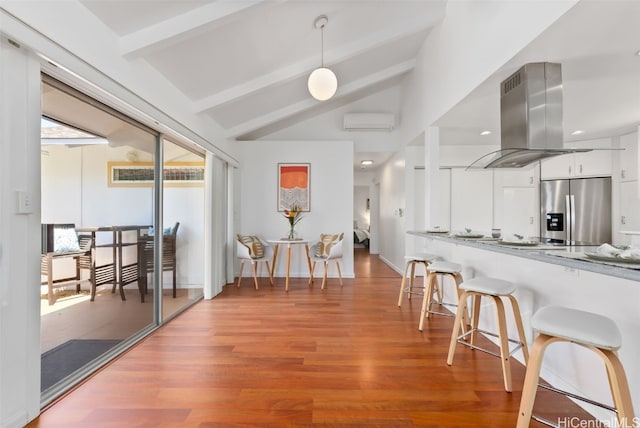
(322, 46)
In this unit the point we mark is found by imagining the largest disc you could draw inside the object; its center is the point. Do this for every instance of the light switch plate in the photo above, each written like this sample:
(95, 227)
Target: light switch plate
(24, 202)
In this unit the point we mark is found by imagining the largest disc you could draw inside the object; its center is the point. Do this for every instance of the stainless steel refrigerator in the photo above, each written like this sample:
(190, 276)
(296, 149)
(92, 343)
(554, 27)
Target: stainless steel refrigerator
(577, 211)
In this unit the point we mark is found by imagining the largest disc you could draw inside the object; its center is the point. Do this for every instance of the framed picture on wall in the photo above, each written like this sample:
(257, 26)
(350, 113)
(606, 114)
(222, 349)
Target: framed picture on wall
(293, 186)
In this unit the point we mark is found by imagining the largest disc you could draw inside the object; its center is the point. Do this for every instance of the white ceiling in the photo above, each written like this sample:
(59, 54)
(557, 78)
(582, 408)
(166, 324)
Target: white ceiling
(244, 63)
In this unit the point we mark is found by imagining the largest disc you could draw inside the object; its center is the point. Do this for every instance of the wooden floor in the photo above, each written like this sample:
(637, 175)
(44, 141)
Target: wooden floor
(341, 357)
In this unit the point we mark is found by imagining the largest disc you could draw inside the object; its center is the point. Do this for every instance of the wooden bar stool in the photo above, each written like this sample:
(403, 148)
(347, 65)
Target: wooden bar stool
(495, 289)
(436, 270)
(410, 263)
(595, 332)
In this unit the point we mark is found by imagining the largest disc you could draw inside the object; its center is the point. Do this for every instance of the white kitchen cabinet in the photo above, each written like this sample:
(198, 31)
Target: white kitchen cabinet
(596, 163)
(520, 211)
(557, 167)
(628, 157)
(520, 177)
(526, 178)
(471, 200)
(629, 206)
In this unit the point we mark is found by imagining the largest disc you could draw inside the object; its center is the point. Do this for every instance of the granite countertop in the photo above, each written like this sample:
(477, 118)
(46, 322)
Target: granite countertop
(570, 256)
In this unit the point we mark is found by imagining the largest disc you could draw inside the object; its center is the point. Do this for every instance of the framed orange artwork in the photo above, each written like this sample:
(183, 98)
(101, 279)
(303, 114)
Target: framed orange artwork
(293, 186)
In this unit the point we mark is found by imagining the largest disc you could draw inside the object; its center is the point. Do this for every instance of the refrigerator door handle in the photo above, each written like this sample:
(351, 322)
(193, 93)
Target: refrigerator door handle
(572, 217)
(567, 216)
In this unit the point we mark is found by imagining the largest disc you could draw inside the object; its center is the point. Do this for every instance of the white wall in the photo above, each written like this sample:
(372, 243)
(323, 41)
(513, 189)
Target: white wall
(331, 195)
(186, 205)
(361, 210)
(392, 211)
(363, 178)
(62, 189)
(103, 205)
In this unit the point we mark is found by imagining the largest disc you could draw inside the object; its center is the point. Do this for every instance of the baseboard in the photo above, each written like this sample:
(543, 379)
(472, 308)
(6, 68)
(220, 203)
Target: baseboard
(391, 265)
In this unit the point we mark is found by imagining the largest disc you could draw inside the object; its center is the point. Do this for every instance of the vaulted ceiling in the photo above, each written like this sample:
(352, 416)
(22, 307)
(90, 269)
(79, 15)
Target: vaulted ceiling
(244, 64)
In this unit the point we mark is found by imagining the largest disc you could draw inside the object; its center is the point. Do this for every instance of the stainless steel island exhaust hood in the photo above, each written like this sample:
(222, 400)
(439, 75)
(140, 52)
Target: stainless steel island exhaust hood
(530, 118)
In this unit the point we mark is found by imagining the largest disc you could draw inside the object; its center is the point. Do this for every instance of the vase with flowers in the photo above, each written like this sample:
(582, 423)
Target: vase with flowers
(293, 215)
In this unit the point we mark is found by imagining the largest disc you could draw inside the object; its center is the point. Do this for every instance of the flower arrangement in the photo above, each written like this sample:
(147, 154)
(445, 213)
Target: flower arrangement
(294, 215)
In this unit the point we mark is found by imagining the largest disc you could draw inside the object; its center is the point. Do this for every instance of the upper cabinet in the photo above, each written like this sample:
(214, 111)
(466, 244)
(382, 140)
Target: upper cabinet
(520, 177)
(596, 163)
(628, 157)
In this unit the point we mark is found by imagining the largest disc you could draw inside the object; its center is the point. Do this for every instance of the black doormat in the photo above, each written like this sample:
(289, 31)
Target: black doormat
(61, 361)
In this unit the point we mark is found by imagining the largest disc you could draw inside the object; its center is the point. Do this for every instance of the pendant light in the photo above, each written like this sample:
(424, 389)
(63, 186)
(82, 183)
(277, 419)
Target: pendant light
(322, 82)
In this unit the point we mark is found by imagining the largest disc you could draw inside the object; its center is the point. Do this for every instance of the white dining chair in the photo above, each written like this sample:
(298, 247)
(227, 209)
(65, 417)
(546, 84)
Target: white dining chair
(247, 254)
(320, 255)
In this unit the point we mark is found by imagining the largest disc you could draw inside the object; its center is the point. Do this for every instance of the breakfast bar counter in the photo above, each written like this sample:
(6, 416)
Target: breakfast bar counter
(555, 275)
(569, 256)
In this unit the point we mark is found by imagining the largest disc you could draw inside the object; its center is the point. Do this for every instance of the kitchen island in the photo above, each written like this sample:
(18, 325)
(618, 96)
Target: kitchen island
(555, 275)
(564, 255)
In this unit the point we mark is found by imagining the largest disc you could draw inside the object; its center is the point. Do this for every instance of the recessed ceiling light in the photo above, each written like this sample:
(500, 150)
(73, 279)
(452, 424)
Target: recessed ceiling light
(638, 53)
(485, 133)
(577, 132)
(366, 162)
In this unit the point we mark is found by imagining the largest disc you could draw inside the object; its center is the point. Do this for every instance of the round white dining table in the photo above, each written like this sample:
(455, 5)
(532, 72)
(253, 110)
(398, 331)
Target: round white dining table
(289, 243)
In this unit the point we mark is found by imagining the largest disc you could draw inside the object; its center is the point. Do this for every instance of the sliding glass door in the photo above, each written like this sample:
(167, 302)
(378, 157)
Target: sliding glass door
(98, 192)
(183, 231)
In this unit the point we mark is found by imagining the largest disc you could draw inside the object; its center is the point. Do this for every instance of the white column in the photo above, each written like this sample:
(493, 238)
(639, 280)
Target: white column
(230, 225)
(219, 227)
(215, 227)
(432, 168)
(208, 227)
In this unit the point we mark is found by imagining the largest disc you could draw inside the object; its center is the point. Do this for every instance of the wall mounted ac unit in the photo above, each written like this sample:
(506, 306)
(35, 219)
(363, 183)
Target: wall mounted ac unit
(369, 122)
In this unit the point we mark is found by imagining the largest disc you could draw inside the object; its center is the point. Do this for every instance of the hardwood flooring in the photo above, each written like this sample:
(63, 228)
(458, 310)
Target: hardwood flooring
(341, 357)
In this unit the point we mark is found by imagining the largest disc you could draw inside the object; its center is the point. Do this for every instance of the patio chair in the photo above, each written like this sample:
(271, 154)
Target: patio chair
(61, 241)
(145, 257)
